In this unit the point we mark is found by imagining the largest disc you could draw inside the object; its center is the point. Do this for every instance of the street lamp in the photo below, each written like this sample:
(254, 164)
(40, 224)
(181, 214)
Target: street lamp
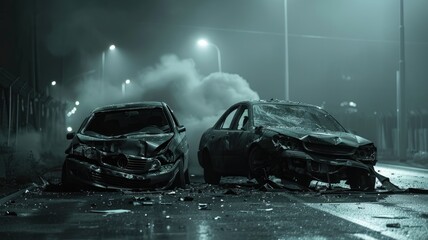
(103, 60)
(205, 43)
(127, 81)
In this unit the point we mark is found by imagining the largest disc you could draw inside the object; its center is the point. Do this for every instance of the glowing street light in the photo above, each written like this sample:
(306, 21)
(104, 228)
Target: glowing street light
(53, 83)
(112, 47)
(69, 129)
(77, 103)
(127, 82)
(204, 43)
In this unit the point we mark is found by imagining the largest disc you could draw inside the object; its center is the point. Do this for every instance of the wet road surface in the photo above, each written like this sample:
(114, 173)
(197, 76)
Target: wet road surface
(234, 210)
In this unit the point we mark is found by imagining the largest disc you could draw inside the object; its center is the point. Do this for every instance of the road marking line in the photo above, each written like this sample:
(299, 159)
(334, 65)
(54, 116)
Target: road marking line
(348, 218)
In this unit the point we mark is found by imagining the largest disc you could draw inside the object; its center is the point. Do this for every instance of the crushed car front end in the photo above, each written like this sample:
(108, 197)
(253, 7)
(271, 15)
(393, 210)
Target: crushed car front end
(305, 143)
(323, 162)
(133, 146)
(124, 168)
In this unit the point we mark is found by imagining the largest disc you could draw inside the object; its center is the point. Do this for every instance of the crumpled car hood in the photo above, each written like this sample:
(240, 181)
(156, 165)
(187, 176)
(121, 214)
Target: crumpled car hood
(138, 145)
(326, 138)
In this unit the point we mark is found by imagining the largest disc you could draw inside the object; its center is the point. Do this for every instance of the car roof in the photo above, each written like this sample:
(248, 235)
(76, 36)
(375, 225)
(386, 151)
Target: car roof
(278, 101)
(133, 105)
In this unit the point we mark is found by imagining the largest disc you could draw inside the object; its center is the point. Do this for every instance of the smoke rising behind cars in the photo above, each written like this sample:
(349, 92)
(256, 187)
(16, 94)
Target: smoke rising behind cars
(197, 100)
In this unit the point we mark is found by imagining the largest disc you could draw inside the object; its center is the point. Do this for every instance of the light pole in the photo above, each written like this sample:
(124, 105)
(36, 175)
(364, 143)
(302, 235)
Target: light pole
(127, 81)
(287, 80)
(205, 43)
(401, 93)
(103, 61)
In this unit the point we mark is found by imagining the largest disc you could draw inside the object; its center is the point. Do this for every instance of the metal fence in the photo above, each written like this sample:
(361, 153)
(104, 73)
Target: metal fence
(381, 128)
(29, 122)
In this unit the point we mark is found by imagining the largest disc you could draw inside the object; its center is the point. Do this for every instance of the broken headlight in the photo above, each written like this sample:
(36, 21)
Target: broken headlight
(165, 157)
(366, 153)
(285, 143)
(154, 165)
(86, 151)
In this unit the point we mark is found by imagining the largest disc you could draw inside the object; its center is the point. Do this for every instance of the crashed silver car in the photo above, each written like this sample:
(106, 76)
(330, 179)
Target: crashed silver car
(128, 146)
(292, 141)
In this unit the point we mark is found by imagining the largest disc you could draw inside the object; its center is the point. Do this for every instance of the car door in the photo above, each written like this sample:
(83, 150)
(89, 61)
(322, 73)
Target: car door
(219, 140)
(234, 157)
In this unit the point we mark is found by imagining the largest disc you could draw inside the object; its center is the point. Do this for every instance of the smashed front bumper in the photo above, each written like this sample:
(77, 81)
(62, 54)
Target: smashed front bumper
(87, 174)
(321, 167)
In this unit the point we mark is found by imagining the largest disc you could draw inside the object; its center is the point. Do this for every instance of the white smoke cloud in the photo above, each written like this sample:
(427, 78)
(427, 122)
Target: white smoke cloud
(197, 101)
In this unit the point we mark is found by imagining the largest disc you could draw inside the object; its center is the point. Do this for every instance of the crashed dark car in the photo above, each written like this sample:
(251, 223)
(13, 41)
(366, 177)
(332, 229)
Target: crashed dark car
(292, 141)
(128, 146)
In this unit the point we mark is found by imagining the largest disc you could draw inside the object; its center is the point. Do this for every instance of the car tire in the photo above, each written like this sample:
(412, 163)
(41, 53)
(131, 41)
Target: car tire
(210, 175)
(180, 178)
(361, 180)
(257, 165)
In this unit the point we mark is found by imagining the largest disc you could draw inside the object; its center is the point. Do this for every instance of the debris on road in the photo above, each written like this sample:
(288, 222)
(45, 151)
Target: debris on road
(8, 213)
(203, 206)
(266, 209)
(393, 225)
(186, 199)
(389, 217)
(111, 211)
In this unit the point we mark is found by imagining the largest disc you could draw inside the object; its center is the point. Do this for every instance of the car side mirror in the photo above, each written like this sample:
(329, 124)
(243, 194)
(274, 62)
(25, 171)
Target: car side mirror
(70, 135)
(181, 129)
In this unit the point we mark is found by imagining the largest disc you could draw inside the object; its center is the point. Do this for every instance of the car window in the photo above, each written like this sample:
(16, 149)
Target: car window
(294, 116)
(243, 119)
(227, 123)
(112, 123)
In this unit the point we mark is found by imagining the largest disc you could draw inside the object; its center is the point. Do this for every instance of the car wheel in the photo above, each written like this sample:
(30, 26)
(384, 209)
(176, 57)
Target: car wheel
(210, 175)
(361, 180)
(258, 165)
(180, 178)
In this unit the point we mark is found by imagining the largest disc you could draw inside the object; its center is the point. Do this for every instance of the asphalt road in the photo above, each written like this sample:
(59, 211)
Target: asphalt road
(234, 210)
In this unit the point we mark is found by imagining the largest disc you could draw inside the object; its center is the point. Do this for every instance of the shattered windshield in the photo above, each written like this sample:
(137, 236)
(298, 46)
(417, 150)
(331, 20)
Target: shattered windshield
(293, 116)
(127, 122)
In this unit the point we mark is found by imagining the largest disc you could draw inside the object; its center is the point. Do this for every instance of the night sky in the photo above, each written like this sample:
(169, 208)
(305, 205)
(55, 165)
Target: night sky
(338, 50)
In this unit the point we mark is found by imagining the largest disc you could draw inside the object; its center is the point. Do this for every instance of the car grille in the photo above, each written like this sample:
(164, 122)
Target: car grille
(105, 179)
(329, 149)
(128, 163)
